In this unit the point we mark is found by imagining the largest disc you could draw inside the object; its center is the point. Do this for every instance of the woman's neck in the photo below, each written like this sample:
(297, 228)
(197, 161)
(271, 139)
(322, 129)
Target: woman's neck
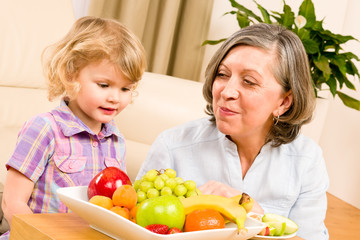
(248, 149)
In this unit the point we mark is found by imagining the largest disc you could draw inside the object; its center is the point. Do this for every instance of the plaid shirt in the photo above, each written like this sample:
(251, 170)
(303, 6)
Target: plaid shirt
(56, 149)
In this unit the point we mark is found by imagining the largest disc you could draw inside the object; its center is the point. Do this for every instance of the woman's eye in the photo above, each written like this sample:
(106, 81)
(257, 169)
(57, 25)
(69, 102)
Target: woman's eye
(221, 74)
(249, 82)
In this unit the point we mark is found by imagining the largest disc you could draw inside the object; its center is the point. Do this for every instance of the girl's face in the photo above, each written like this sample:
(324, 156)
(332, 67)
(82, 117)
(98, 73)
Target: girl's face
(104, 93)
(246, 94)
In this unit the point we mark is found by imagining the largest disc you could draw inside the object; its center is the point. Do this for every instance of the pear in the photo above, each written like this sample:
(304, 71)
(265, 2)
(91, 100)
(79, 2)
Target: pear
(291, 226)
(277, 228)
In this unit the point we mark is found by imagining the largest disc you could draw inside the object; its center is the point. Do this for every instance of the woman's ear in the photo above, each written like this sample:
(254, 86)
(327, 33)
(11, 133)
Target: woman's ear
(285, 104)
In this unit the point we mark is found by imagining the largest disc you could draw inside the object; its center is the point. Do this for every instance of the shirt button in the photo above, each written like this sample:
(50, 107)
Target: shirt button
(95, 144)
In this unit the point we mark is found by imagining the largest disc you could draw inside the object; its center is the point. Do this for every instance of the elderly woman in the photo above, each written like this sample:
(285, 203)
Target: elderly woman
(259, 93)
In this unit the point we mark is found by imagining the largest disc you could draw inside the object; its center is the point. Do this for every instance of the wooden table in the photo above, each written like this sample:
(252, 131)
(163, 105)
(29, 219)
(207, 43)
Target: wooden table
(67, 226)
(59, 226)
(342, 219)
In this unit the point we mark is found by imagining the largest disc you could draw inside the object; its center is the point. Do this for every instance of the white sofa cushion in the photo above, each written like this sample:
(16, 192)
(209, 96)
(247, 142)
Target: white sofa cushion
(26, 29)
(162, 102)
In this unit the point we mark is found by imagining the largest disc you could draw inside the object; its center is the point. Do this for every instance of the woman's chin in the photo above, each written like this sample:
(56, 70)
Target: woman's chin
(225, 127)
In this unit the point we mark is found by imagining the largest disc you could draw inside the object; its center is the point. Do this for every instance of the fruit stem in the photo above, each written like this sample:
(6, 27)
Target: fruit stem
(244, 198)
(242, 231)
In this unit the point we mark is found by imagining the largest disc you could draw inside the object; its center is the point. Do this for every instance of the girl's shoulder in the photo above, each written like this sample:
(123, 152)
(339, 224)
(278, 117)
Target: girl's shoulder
(45, 118)
(42, 123)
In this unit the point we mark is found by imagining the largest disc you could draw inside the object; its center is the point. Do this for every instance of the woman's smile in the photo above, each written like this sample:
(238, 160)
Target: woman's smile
(223, 111)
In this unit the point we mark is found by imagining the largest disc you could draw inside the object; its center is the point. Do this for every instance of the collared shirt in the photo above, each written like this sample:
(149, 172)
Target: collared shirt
(290, 180)
(56, 149)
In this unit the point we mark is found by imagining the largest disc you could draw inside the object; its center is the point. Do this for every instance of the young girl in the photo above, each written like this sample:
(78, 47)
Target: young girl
(94, 69)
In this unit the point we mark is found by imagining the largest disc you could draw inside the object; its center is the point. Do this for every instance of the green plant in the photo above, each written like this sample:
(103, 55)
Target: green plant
(329, 64)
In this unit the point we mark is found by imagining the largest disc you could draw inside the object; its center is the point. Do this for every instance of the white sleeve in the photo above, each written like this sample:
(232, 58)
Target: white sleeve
(310, 208)
(158, 157)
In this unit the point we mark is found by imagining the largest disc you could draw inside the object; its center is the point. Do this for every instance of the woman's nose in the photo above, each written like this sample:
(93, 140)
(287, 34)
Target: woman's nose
(230, 90)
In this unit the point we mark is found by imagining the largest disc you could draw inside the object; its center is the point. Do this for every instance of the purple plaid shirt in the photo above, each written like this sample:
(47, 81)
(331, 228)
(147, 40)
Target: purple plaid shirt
(56, 149)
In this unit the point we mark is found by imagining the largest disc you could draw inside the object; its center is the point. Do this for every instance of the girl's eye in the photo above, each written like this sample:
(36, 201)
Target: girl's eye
(103, 85)
(125, 89)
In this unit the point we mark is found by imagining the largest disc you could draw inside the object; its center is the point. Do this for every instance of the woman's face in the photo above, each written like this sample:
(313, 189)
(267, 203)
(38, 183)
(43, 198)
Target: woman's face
(246, 94)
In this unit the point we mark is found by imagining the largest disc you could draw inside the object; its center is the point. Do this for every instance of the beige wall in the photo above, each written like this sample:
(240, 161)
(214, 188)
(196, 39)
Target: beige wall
(336, 128)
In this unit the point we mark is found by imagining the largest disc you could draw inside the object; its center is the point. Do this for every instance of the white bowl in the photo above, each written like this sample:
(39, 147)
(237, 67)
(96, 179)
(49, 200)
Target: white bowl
(117, 227)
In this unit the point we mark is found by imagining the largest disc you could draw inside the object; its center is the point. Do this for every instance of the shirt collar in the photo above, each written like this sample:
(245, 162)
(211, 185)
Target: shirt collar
(70, 124)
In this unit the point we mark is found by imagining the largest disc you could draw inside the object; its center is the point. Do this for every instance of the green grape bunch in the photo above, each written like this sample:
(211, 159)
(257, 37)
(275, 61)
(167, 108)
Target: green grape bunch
(162, 182)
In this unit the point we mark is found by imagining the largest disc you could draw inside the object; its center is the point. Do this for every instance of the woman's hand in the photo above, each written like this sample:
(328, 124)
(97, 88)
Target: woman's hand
(218, 188)
(17, 191)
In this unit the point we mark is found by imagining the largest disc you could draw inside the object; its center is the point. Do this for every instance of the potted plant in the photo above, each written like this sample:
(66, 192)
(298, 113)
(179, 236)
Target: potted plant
(329, 65)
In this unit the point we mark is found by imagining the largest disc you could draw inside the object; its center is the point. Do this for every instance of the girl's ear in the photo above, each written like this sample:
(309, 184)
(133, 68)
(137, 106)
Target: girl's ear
(285, 104)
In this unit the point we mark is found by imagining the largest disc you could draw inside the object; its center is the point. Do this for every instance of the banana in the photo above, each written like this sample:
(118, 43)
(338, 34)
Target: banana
(226, 206)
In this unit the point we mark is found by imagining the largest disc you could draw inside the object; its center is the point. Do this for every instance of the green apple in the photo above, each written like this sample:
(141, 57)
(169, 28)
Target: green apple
(291, 226)
(167, 210)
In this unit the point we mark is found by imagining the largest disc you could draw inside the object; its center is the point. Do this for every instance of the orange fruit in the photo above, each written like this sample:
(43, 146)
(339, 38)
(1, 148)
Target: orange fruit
(124, 212)
(125, 196)
(203, 219)
(102, 201)
(133, 212)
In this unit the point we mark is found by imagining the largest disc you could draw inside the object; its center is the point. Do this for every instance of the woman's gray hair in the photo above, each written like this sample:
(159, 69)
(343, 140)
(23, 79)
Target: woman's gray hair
(290, 68)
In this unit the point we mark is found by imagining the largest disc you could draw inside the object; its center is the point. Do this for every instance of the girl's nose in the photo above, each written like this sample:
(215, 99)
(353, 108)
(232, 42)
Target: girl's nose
(114, 96)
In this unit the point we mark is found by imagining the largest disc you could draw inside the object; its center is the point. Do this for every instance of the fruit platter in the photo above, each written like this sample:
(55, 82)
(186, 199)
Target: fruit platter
(161, 205)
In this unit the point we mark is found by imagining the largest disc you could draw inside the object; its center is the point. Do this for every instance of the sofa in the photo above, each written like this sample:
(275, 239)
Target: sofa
(162, 101)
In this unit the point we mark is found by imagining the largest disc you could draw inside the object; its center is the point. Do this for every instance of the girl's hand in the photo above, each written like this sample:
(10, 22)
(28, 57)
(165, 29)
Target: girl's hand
(17, 191)
(217, 188)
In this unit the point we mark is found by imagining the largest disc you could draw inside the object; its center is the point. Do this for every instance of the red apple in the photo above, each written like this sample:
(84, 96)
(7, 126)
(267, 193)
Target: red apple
(107, 181)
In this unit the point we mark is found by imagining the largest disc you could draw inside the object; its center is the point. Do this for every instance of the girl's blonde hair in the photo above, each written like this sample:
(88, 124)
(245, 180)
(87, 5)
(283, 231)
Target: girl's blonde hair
(91, 39)
(291, 69)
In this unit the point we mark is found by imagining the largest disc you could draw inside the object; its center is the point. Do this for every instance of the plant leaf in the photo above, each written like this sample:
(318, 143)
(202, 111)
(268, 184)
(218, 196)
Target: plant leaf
(338, 76)
(349, 84)
(264, 13)
(350, 55)
(351, 68)
(339, 61)
(310, 46)
(213, 42)
(247, 11)
(332, 84)
(242, 19)
(349, 101)
(288, 16)
(323, 64)
(338, 38)
(308, 11)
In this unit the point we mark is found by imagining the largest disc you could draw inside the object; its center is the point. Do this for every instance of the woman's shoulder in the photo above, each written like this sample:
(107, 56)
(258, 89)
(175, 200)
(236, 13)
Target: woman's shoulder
(303, 147)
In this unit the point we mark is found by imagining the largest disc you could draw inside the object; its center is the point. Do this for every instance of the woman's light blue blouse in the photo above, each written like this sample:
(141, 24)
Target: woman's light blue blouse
(290, 180)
